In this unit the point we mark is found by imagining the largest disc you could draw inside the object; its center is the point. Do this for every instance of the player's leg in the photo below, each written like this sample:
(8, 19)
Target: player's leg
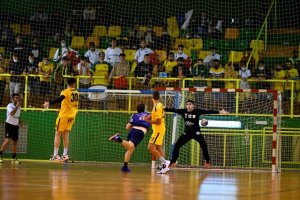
(200, 139)
(15, 137)
(66, 141)
(8, 137)
(3, 147)
(182, 140)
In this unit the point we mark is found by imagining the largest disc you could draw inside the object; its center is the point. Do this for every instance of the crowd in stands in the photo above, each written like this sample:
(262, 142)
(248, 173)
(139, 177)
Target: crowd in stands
(110, 67)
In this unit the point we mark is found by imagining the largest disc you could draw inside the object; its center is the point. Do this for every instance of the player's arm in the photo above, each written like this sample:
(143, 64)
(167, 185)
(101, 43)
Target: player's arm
(54, 101)
(205, 112)
(13, 111)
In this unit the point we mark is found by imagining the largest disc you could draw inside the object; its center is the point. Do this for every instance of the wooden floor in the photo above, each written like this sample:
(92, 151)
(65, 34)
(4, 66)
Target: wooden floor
(44, 180)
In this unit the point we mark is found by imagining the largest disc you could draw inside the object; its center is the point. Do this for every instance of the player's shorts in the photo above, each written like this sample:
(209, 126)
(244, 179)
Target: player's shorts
(157, 137)
(11, 131)
(64, 124)
(135, 136)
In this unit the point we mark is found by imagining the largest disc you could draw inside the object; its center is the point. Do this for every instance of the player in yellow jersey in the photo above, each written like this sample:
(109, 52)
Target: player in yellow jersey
(69, 108)
(158, 125)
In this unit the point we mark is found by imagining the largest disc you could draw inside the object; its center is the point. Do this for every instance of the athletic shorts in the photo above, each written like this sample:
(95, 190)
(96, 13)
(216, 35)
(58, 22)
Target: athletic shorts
(157, 137)
(11, 131)
(135, 136)
(64, 124)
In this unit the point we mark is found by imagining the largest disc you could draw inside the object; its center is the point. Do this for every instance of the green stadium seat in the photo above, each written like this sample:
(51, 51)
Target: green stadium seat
(241, 45)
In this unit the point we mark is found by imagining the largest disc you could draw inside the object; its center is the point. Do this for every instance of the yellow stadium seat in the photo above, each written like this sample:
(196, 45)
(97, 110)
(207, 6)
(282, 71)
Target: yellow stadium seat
(77, 42)
(257, 45)
(158, 30)
(130, 53)
(172, 21)
(92, 39)
(99, 31)
(52, 52)
(102, 50)
(26, 29)
(162, 55)
(195, 44)
(2, 50)
(143, 28)
(178, 41)
(235, 56)
(114, 31)
(16, 28)
(231, 33)
(173, 31)
(203, 54)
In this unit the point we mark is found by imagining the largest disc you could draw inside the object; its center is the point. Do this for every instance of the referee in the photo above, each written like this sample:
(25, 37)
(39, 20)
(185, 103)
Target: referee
(12, 127)
(191, 117)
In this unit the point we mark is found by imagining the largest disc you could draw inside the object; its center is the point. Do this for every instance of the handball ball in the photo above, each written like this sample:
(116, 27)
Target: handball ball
(204, 122)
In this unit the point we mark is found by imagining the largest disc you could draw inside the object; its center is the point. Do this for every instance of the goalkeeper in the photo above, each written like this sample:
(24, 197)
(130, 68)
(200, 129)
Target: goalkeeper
(191, 117)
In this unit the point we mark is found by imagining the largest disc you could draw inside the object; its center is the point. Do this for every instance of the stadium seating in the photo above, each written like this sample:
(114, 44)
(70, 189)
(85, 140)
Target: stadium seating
(114, 31)
(195, 44)
(235, 56)
(99, 31)
(52, 52)
(203, 54)
(231, 33)
(77, 42)
(26, 29)
(258, 45)
(2, 50)
(16, 28)
(130, 53)
(92, 39)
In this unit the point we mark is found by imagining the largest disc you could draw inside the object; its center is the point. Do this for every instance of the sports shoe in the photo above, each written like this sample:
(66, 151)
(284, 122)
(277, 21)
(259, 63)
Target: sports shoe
(125, 169)
(55, 158)
(65, 158)
(1, 159)
(207, 165)
(115, 137)
(165, 168)
(15, 161)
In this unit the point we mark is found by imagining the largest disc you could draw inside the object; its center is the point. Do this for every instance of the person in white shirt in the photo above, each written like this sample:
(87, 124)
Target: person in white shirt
(213, 56)
(180, 54)
(83, 68)
(63, 51)
(92, 54)
(12, 127)
(141, 52)
(112, 53)
(244, 74)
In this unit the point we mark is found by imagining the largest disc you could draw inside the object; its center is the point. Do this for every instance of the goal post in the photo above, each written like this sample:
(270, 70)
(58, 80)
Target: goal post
(237, 140)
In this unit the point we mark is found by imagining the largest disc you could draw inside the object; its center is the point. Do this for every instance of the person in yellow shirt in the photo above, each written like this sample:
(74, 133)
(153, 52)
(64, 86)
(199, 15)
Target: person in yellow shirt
(69, 107)
(158, 125)
(45, 70)
(170, 64)
(279, 74)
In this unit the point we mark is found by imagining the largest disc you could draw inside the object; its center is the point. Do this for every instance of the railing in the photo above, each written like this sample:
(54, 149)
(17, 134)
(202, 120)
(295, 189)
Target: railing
(178, 82)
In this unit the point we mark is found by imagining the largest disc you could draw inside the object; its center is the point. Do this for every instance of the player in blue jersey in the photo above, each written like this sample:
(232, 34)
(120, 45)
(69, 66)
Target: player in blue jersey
(137, 127)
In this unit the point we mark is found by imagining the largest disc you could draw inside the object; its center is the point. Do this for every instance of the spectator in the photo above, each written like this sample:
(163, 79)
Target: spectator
(92, 54)
(180, 53)
(89, 17)
(141, 52)
(216, 71)
(279, 74)
(230, 73)
(45, 70)
(36, 50)
(20, 49)
(295, 59)
(150, 38)
(144, 69)
(16, 68)
(2, 79)
(112, 53)
(200, 71)
(6, 35)
(202, 27)
(261, 74)
(100, 68)
(84, 70)
(215, 27)
(63, 51)
(209, 59)
(164, 41)
(244, 74)
(135, 37)
(31, 68)
(292, 73)
(120, 69)
(170, 64)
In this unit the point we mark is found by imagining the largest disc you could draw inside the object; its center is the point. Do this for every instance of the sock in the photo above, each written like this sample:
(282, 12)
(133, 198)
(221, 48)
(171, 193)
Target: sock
(162, 159)
(55, 151)
(1, 153)
(14, 155)
(125, 164)
(65, 151)
(153, 164)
